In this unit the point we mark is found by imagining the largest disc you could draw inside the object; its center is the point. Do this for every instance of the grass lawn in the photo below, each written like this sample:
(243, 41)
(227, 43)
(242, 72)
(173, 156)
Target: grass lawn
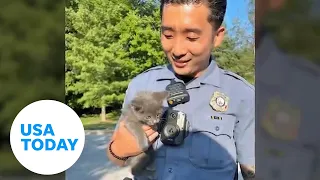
(9, 165)
(93, 122)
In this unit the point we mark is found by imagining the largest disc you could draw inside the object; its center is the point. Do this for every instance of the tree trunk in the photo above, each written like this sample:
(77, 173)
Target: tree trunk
(103, 113)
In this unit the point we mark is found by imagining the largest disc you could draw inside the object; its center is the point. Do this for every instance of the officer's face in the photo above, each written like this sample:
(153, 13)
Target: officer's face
(187, 37)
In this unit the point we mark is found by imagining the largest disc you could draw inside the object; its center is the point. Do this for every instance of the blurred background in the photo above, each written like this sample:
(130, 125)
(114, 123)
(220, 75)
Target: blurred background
(287, 81)
(31, 67)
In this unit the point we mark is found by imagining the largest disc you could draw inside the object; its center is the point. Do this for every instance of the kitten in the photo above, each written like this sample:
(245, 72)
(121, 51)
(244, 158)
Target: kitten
(145, 109)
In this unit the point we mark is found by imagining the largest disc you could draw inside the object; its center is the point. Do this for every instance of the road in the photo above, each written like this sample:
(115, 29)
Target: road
(93, 163)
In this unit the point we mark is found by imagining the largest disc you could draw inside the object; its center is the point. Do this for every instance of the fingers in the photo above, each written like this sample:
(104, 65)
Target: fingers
(145, 127)
(149, 132)
(153, 137)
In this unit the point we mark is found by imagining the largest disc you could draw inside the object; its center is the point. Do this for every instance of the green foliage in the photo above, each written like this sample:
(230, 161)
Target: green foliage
(237, 60)
(31, 67)
(110, 42)
(251, 11)
(31, 62)
(236, 52)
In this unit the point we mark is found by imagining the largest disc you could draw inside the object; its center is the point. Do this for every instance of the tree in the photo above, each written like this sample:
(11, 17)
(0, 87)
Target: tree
(31, 56)
(251, 10)
(236, 52)
(108, 43)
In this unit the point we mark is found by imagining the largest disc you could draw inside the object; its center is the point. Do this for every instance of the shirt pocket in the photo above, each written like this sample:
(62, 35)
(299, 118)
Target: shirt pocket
(212, 144)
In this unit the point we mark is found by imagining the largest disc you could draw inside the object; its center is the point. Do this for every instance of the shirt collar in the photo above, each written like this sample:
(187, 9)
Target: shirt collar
(211, 75)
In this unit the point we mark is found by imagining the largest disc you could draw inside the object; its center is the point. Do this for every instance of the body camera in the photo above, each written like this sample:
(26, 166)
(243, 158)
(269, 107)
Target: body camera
(174, 127)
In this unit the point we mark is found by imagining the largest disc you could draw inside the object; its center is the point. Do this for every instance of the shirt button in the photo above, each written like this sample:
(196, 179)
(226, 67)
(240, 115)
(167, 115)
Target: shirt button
(170, 170)
(217, 128)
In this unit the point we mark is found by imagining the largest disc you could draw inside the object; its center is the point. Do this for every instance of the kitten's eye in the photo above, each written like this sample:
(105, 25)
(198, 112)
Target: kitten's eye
(148, 117)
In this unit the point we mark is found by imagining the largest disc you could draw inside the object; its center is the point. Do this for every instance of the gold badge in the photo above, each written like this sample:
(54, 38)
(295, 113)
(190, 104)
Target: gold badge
(281, 120)
(219, 102)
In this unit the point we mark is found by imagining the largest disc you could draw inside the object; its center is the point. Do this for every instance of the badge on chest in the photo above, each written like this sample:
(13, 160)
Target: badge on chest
(219, 102)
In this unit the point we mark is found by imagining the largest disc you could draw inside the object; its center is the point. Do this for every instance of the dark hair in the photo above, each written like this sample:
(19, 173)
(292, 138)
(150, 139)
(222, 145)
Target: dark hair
(217, 9)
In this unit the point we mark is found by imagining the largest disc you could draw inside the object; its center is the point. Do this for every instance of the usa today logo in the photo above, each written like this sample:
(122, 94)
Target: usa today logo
(47, 137)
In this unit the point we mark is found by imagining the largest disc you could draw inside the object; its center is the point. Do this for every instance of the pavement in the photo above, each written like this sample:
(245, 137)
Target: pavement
(93, 163)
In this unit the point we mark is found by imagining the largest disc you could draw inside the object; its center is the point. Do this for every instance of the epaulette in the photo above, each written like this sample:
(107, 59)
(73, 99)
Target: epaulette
(153, 68)
(238, 77)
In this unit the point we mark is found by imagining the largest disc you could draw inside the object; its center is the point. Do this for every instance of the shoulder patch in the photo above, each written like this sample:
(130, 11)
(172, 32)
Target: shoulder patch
(238, 77)
(153, 68)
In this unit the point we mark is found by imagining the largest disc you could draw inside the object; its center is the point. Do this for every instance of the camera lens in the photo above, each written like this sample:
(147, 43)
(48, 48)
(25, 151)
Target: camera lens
(171, 131)
(173, 115)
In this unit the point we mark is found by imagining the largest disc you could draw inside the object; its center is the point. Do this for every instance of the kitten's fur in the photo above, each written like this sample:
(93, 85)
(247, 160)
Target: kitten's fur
(146, 108)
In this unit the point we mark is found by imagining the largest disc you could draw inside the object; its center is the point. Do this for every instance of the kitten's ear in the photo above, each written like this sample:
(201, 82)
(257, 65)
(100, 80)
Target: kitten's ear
(160, 96)
(136, 106)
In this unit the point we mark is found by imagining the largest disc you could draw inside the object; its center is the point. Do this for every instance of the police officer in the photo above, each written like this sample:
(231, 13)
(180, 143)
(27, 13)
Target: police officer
(221, 106)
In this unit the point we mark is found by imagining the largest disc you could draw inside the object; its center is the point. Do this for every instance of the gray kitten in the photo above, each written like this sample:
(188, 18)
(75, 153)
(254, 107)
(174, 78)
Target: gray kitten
(145, 109)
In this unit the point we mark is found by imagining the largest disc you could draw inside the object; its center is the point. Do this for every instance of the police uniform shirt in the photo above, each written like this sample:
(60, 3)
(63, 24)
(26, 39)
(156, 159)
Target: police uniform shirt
(287, 141)
(217, 139)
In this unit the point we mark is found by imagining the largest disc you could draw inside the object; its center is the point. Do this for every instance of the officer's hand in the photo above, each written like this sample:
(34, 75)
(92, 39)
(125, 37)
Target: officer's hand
(125, 144)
